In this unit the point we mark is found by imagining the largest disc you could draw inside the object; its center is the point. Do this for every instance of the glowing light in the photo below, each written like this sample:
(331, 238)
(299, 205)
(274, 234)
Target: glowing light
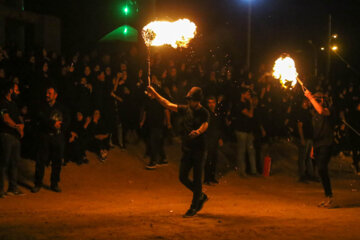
(334, 36)
(285, 71)
(322, 48)
(334, 48)
(176, 34)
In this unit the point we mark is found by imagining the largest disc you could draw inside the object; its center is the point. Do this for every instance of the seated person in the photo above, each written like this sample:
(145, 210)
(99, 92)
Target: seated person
(99, 137)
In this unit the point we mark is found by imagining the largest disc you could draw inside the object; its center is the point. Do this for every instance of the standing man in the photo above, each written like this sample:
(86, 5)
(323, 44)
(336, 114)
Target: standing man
(305, 130)
(11, 130)
(242, 117)
(214, 140)
(323, 140)
(195, 124)
(52, 121)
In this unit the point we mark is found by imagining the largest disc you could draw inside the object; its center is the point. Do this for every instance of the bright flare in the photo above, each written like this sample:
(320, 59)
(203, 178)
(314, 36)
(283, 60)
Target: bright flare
(175, 34)
(285, 71)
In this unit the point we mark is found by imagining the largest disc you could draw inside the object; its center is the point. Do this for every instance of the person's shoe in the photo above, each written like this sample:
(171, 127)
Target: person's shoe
(151, 166)
(190, 213)
(163, 163)
(36, 189)
(14, 192)
(330, 204)
(85, 160)
(204, 198)
(55, 188)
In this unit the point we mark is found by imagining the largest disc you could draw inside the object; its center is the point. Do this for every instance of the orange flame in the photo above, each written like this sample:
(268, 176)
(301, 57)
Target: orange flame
(285, 71)
(175, 34)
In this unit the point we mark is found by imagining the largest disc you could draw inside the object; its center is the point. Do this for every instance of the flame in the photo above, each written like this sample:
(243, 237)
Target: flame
(285, 71)
(176, 34)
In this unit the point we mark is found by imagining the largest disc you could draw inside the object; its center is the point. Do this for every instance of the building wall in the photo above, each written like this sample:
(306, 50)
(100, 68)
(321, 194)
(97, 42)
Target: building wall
(47, 29)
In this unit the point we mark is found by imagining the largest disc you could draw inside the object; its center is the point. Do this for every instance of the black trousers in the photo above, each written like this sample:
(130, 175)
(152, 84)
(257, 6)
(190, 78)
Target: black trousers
(322, 156)
(51, 150)
(192, 159)
(10, 156)
(211, 159)
(157, 152)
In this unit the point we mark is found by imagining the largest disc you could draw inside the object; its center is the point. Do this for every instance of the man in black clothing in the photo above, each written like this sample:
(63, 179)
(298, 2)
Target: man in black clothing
(214, 140)
(195, 124)
(323, 140)
(242, 117)
(154, 115)
(305, 131)
(52, 122)
(11, 130)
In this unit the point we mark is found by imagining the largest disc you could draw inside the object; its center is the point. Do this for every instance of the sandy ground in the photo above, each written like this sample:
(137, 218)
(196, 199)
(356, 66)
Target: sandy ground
(119, 199)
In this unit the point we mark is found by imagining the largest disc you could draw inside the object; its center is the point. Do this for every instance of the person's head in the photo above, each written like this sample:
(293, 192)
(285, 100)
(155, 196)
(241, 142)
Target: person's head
(305, 104)
(96, 115)
(87, 71)
(51, 95)
(83, 81)
(320, 98)
(123, 67)
(245, 94)
(101, 76)
(108, 71)
(173, 72)
(211, 101)
(79, 116)
(45, 67)
(194, 97)
(10, 90)
(155, 80)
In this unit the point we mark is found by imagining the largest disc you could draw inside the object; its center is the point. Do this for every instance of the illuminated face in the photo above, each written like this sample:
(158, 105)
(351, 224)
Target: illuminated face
(212, 104)
(108, 71)
(101, 76)
(51, 95)
(45, 67)
(96, 115)
(193, 104)
(16, 90)
(87, 71)
(79, 116)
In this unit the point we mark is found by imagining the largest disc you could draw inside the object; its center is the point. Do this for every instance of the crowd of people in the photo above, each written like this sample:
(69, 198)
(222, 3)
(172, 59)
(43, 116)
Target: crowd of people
(62, 106)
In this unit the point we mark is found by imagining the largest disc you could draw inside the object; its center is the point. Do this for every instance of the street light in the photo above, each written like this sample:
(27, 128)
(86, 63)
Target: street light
(334, 48)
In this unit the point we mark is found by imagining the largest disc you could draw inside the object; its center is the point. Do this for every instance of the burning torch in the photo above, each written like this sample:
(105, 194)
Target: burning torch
(176, 34)
(285, 70)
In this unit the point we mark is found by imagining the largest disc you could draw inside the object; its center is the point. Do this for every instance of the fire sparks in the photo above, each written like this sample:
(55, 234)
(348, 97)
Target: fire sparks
(285, 71)
(175, 34)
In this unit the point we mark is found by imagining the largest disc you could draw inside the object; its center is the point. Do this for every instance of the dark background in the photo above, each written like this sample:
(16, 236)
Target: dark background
(277, 25)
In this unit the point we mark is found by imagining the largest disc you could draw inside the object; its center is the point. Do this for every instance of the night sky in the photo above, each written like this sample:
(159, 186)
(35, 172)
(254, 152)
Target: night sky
(277, 25)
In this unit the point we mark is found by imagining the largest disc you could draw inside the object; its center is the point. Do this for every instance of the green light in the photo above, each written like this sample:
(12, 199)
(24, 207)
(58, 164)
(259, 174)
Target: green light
(125, 30)
(126, 10)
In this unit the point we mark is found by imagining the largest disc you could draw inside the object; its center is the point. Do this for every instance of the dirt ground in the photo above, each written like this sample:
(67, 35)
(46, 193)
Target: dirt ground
(119, 199)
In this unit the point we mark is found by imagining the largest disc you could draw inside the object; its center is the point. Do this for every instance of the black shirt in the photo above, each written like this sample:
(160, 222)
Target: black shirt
(240, 121)
(154, 114)
(13, 111)
(48, 115)
(323, 130)
(304, 116)
(193, 119)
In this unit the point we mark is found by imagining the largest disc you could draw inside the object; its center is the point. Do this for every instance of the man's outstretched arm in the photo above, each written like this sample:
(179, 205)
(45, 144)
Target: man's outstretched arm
(163, 101)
